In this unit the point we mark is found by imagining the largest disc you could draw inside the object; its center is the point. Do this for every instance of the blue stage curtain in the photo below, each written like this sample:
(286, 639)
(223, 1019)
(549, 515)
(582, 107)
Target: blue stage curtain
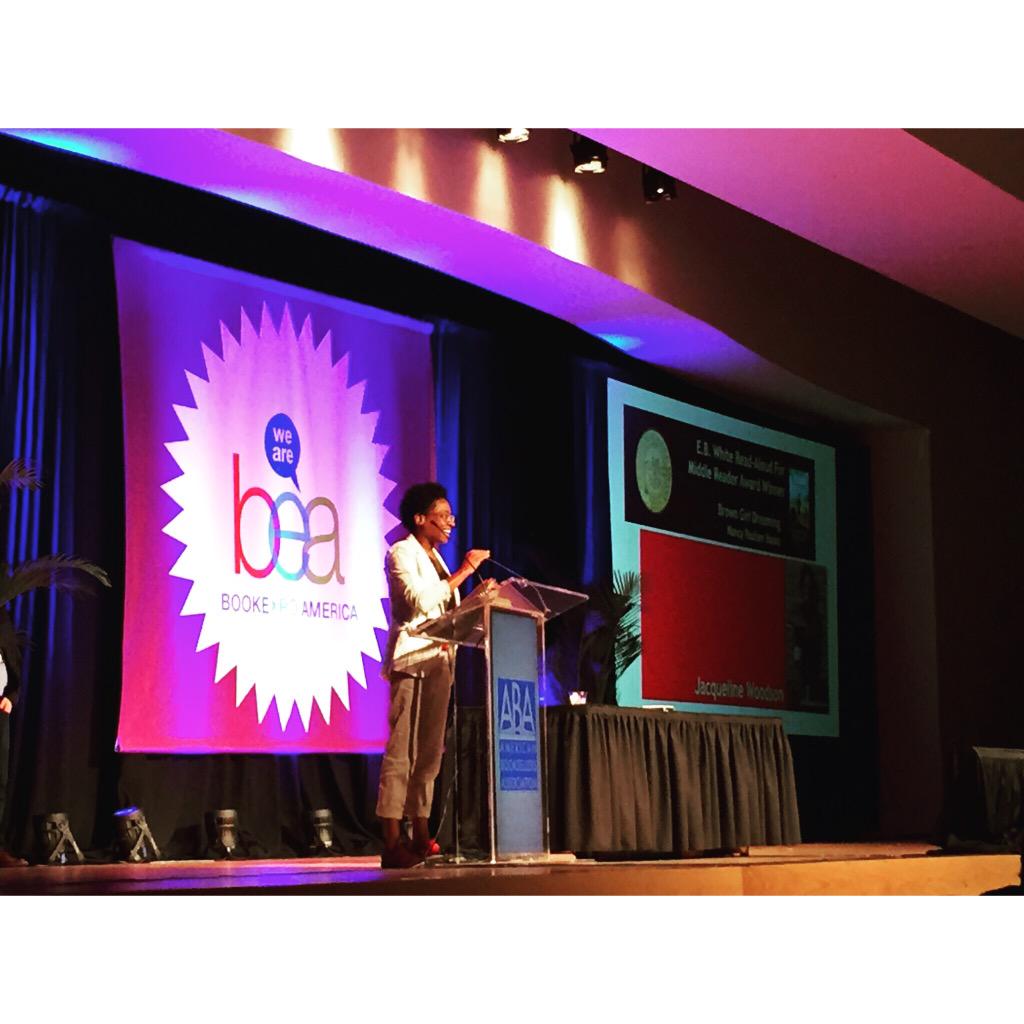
(521, 428)
(590, 470)
(60, 412)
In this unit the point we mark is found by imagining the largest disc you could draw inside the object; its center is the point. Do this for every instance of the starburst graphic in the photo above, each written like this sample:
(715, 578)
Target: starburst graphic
(284, 534)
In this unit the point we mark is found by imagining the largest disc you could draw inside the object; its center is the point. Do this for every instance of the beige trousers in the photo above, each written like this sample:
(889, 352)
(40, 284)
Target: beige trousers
(412, 760)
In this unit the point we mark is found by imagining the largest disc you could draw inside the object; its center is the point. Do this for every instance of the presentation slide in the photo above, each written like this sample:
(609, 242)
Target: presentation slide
(731, 528)
(265, 428)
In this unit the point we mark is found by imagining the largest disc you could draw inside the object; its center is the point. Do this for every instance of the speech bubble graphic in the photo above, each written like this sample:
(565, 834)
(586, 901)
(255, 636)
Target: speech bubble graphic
(283, 448)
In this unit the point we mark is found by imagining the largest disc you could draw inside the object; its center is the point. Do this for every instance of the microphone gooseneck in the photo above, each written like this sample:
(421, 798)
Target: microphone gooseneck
(512, 572)
(520, 577)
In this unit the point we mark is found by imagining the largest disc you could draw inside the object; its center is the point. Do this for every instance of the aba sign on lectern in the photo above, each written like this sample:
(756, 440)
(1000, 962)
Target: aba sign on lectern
(518, 765)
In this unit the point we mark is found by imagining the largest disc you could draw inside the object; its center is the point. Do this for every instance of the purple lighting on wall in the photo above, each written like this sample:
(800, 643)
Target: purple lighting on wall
(623, 342)
(433, 236)
(76, 141)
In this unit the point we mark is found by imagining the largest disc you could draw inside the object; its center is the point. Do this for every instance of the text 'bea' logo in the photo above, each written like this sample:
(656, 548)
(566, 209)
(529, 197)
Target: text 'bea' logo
(517, 709)
(282, 445)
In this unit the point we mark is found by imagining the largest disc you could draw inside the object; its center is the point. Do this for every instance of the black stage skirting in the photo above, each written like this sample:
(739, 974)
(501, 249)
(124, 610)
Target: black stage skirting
(621, 782)
(989, 795)
(625, 781)
(273, 796)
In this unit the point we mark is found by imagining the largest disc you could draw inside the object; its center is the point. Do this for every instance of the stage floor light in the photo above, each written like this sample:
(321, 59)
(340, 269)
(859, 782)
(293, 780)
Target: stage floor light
(322, 839)
(55, 842)
(222, 828)
(134, 840)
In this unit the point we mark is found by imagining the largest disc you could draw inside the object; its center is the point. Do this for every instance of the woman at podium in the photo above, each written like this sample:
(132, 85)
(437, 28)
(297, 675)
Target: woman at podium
(420, 670)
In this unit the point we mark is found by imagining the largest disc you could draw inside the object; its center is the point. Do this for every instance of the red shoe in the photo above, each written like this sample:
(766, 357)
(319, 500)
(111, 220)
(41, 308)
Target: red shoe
(400, 856)
(427, 849)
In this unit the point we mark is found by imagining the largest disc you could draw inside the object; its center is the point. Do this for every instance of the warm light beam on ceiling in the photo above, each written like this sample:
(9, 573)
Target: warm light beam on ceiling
(563, 234)
(319, 146)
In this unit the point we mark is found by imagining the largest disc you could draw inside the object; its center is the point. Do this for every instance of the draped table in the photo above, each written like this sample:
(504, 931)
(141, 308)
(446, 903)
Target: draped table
(629, 781)
(988, 796)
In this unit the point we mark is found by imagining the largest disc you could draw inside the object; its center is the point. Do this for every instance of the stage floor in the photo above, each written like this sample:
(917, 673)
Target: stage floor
(808, 869)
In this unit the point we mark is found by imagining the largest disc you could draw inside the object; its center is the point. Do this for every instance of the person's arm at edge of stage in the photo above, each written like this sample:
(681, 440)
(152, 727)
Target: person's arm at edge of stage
(9, 698)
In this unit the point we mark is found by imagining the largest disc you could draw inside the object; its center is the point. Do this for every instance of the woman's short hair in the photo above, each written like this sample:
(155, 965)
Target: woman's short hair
(417, 501)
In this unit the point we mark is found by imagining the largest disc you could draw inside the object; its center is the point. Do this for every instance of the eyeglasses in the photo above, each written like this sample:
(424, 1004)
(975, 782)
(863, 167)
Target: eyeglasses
(444, 517)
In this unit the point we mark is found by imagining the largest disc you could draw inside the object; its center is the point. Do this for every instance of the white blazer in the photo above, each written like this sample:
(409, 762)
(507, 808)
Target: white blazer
(417, 594)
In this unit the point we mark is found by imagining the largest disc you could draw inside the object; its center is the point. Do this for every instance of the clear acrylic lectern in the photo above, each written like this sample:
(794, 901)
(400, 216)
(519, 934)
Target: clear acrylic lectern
(507, 620)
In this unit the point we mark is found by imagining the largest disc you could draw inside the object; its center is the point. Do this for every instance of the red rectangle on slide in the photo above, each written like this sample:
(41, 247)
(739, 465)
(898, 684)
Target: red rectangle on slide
(713, 623)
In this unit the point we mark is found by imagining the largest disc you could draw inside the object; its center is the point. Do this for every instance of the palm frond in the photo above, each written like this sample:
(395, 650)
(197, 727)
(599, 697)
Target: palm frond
(60, 572)
(613, 644)
(626, 584)
(18, 473)
(627, 632)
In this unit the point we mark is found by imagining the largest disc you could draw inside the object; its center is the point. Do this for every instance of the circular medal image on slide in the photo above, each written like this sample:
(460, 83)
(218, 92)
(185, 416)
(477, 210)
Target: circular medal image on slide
(653, 470)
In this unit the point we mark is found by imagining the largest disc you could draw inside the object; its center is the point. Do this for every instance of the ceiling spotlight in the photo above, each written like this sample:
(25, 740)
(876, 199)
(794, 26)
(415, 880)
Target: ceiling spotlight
(135, 842)
(588, 157)
(513, 134)
(657, 185)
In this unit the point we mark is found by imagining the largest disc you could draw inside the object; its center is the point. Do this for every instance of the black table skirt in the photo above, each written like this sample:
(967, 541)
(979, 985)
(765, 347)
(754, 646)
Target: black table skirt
(988, 796)
(625, 781)
(1002, 779)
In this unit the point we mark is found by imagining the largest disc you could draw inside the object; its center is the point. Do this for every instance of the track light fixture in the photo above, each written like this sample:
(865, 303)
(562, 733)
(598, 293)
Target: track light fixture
(513, 134)
(135, 842)
(657, 185)
(588, 157)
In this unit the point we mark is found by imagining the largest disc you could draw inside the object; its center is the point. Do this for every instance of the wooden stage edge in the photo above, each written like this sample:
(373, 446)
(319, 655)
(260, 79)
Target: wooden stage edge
(861, 869)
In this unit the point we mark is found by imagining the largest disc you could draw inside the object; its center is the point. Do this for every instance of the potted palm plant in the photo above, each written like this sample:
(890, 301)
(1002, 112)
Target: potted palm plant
(612, 642)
